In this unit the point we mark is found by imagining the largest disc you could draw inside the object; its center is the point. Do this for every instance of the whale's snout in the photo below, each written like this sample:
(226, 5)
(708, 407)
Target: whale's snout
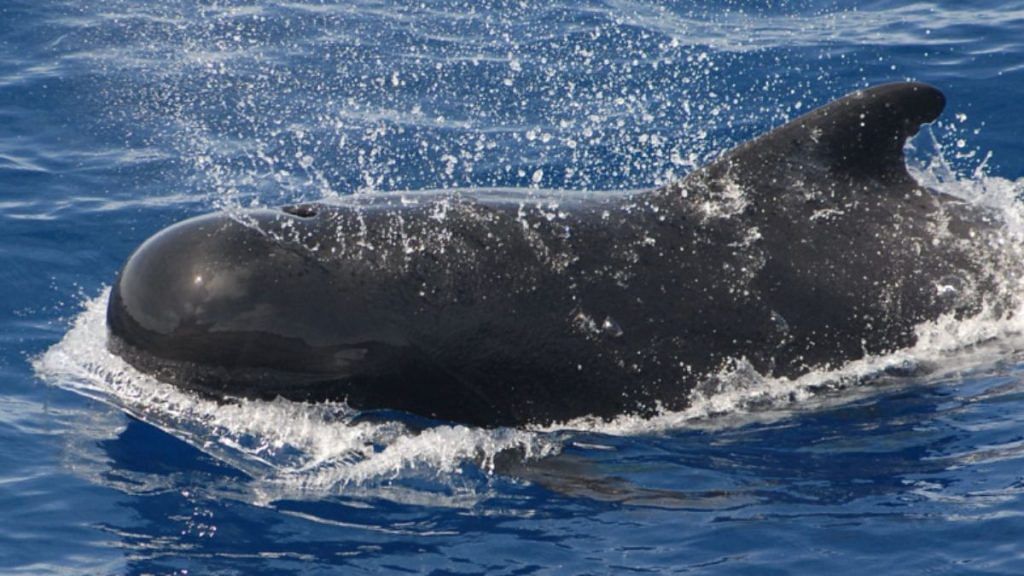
(216, 303)
(184, 280)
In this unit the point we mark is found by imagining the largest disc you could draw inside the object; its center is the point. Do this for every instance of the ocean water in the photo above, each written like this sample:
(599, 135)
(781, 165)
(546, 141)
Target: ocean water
(118, 118)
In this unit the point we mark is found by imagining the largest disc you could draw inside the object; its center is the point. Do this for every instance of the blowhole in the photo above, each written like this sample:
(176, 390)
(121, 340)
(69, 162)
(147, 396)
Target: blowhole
(301, 210)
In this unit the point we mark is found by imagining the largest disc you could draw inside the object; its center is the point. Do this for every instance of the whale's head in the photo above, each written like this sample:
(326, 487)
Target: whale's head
(228, 301)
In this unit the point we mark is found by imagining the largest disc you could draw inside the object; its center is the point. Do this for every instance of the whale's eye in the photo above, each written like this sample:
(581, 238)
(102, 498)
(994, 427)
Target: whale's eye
(301, 210)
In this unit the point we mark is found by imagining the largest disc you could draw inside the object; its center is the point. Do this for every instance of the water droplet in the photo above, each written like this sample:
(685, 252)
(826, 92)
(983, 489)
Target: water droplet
(779, 322)
(611, 327)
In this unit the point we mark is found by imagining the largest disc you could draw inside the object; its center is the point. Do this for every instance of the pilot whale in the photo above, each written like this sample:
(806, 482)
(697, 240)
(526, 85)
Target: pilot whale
(805, 248)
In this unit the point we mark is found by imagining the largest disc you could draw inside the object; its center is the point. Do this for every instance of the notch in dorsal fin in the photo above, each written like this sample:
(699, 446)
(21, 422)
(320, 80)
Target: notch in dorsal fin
(860, 136)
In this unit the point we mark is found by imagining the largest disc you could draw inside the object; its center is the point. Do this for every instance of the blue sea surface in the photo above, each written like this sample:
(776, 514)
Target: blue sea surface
(119, 117)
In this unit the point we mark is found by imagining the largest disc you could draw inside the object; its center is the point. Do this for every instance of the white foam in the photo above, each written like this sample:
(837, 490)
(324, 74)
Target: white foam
(295, 446)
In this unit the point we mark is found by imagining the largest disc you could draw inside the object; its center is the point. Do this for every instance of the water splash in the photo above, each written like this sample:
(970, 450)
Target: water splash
(325, 447)
(289, 103)
(285, 445)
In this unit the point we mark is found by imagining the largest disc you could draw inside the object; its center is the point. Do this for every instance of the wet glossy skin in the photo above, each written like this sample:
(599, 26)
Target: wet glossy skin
(806, 247)
(470, 317)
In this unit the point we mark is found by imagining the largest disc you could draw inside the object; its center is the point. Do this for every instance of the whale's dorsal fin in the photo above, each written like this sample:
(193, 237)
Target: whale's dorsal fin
(858, 137)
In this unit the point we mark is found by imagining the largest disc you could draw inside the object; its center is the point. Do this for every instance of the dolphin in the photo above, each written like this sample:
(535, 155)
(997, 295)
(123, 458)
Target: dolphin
(803, 249)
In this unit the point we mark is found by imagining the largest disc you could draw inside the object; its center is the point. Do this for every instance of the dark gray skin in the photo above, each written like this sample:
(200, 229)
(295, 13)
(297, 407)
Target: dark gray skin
(808, 247)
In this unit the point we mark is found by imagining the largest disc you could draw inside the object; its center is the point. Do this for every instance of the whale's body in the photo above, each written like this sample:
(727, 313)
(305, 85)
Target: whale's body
(808, 247)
